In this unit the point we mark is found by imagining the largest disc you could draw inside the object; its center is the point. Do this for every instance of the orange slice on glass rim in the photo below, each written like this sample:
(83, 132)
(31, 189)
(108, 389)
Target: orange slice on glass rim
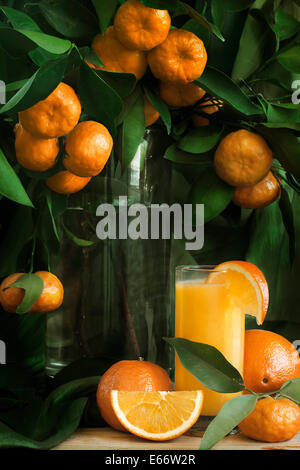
(247, 285)
(158, 416)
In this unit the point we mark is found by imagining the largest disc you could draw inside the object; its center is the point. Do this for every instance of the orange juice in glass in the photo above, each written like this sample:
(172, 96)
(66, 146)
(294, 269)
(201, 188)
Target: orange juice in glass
(205, 313)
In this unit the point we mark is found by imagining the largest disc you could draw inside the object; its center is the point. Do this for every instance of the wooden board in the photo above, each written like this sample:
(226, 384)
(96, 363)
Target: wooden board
(108, 439)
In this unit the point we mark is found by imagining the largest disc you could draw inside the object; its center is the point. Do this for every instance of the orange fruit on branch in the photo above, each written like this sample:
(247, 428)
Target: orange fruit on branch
(88, 148)
(139, 27)
(158, 416)
(54, 116)
(65, 182)
(34, 153)
(260, 194)
(243, 158)
(247, 286)
(50, 299)
(180, 59)
(133, 375)
(116, 57)
(272, 420)
(151, 114)
(180, 95)
(270, 360)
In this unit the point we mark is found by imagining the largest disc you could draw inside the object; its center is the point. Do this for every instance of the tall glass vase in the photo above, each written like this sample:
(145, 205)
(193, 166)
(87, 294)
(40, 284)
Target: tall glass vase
(117, 292)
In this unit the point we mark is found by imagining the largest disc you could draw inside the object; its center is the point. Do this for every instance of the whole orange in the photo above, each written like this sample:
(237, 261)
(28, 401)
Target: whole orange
(116, 57)
(243, 158)
(88, 148)
(269, 361)
(139, 376)
(139, 27)
(181, 95)
(64, 182)
(34, 153)
(50, 299)
(180, 59)
(54, 116)
(272, 420)
(260, 194)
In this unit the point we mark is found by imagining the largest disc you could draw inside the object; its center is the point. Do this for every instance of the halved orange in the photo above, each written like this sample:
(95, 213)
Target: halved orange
(247, 285)
(158, 416)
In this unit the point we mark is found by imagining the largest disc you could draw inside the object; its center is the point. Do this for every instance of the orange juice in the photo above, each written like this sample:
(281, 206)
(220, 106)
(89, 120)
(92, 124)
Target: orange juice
(205, 313)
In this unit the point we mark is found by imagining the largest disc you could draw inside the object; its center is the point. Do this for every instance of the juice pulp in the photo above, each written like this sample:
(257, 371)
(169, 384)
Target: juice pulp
(205, 313)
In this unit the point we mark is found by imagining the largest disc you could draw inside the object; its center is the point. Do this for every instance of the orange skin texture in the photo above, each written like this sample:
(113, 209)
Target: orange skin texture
(65, 182)
(54, 116)
(34, 153)
(139, 27)
(243, 158)
(139, 376)
(116, 57)
(200, 121)
(50, 299)
(272, 420)
(180, 95)
(88, 148)
(151, 114)
(180, 59)
(12, 297)
(209, 106)
(270, 360)
(261, 194)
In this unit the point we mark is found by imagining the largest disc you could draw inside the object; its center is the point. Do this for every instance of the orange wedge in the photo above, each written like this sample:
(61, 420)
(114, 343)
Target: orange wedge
(158, 416)
(247, 285)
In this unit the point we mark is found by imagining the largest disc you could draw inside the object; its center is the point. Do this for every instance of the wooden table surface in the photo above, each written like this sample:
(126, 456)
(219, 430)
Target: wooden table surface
(108, 439)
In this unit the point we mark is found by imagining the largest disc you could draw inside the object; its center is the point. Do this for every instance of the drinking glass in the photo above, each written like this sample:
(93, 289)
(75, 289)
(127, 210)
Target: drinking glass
(205, 312)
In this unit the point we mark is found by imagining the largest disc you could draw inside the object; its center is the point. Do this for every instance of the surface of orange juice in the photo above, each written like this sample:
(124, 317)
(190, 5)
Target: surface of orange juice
(205, 313)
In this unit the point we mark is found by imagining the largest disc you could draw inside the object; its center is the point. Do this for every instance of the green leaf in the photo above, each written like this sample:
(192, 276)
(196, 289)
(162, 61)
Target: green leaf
(14, 42)
(45, 41)
(285, 25)
(133, 130)
(78, 241)
(237, 5)
(33, 286)
(220, 85)
(100, 101)
(291, 390)
(290, 59)
(69, 18)
(286, 147)
(171, 5)
(122, 83)
(38, 87)
(105, 10)
(288, 221)
(202, 20)
(19, 19)
(200, 140)
(211, 191)
(208, 365)
(49, 205)
(230, 415)
(254, 48)
(10, 184)
(161, 107)
(179, 156)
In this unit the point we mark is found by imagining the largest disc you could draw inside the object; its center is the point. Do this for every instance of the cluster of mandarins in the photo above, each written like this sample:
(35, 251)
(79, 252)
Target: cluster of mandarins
(243, 159)
(142, 36)
(87, 144)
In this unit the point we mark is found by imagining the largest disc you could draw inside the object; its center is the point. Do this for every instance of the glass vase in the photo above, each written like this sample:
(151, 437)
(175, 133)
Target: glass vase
(117, 291)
